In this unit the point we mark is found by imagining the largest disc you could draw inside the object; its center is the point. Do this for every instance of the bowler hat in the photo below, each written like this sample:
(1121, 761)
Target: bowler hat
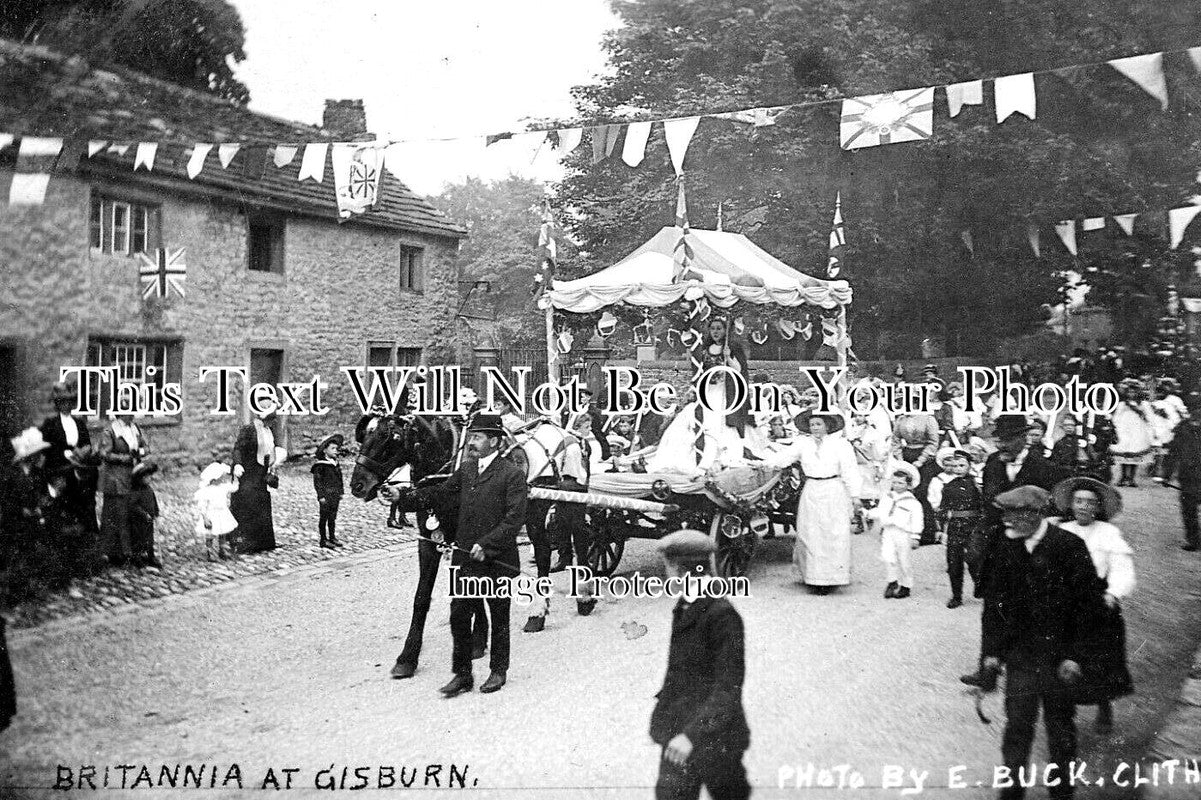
(834, 422)
(1034, 498)
(686, 543)
(1111, 499)
(1010, 426)
(487, 423)
(335, 438)
(28, 443)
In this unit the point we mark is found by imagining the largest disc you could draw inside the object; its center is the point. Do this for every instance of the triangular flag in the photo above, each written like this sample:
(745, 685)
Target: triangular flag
(968, 93)
(1147, 72)
(838, 240)
(1032, 237)
(1093, 224)
(1195, 54)
(254, 160)
(144, 157)
(604, 139)
(119, 149)
(196, 162)
(95, 146)
(1067, 234)
(1015, 93)
(1126, 222)
(5, 140)
(284, 153)
(226, 153)
(634, 149)
(312, 164)
(878, 119)
(570, 138)
(679, 135)
(493, 138)
(966, 236)
(1178, 222)
(28, 189)
(759, 117)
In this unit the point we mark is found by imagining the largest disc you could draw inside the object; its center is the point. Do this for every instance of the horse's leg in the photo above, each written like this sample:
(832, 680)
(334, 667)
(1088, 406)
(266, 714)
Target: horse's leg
(428, 558)
(535, 527)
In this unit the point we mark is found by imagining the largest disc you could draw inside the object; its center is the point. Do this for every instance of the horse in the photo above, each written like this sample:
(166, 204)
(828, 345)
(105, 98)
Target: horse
(431, 446)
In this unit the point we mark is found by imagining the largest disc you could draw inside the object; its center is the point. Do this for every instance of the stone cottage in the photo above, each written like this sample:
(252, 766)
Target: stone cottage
(274, 282)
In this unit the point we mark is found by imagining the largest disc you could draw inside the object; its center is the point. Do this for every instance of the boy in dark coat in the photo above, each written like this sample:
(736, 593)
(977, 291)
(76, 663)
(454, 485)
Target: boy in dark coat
(698, 719)
(143, 511)
(327, 480)
(960, 505)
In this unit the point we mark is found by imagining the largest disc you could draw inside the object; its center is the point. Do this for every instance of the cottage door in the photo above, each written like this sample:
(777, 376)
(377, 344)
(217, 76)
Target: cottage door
(267, 366)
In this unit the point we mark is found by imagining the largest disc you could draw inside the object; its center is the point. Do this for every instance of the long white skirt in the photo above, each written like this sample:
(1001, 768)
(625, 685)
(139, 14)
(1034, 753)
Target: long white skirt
(822, 554)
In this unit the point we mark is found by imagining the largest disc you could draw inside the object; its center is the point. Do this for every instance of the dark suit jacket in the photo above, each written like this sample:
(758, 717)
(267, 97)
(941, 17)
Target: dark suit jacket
(327, 479)
(702, 693)
(1042, 607)
(1036, 471)
(492, 508)
(1183, 460)
(56, 437)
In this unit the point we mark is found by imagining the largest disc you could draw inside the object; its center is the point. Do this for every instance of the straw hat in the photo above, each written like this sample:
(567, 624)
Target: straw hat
(213, 472)
(28, 442)
(1111, 500)
(912, 476)
(834, 422)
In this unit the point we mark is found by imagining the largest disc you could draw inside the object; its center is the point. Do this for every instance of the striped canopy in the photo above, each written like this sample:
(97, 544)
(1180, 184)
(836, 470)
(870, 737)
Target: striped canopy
(732, 268)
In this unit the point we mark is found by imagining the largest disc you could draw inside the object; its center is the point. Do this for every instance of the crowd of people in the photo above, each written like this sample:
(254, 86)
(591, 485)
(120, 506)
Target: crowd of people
(74, 503)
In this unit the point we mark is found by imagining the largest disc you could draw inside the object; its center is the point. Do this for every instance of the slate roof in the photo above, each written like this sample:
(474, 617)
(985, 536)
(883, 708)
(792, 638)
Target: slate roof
(43, 93)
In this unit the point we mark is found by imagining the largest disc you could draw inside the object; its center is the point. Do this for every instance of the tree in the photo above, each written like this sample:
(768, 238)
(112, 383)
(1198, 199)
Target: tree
(502, 220)
(187, 42)
(1100, 146)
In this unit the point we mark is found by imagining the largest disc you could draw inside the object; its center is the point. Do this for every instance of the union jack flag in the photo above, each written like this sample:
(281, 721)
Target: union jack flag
(877, 119)
(164, 273)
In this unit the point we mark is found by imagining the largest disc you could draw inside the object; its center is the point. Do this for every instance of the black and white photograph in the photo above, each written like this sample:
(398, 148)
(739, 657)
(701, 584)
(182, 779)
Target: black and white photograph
(665, 399)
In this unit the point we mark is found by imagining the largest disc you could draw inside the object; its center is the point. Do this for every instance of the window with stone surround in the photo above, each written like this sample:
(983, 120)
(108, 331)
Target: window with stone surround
(412, 268)
(388, 354)
(142, 362)
(122, 226)
(264, 242)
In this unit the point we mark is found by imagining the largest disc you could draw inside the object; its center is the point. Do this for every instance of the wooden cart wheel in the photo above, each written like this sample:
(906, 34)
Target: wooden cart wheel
(605, 551)
(735, 543)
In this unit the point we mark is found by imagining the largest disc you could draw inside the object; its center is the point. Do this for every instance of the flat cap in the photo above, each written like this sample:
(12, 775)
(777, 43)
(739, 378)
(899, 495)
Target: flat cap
(1032, 497)
(686, 544)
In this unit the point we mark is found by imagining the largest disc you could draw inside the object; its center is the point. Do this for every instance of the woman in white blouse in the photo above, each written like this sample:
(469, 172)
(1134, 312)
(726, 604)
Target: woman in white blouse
(1089, 504)
(833, 486)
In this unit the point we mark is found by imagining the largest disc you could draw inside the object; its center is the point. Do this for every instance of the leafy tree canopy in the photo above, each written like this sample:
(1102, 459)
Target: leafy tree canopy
(193, 43)
(1100, 146)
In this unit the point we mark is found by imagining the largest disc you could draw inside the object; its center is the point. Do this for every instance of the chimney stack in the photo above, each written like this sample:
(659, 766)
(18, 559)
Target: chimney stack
(346, 119)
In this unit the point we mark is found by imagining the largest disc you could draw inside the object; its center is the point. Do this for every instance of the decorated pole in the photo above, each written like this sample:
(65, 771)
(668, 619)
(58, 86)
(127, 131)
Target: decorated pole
(543, 282)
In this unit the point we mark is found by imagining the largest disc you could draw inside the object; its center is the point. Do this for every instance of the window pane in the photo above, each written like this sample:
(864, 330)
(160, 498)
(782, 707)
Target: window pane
(141, 224)
(130, 360)
(158, 359)
(408, 356)
(96, 224)
(261, 247)
(120, 234)
(379, 355)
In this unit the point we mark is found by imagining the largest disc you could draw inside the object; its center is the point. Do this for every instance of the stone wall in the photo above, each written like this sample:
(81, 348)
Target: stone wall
(339, 289)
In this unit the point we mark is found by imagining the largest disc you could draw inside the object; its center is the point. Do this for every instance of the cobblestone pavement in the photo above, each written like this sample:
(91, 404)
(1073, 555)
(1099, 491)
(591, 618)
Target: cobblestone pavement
(185, 564)
(290, 671)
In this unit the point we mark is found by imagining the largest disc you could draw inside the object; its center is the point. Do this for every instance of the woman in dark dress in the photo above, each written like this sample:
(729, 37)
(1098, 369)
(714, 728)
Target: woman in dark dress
(253, 459)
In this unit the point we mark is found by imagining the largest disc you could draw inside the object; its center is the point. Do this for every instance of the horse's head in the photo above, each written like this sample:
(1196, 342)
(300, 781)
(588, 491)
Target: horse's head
(385, 443)
(388, 442)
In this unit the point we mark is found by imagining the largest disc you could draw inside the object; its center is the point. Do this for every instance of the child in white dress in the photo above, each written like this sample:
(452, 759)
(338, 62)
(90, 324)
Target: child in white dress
(214, 521)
